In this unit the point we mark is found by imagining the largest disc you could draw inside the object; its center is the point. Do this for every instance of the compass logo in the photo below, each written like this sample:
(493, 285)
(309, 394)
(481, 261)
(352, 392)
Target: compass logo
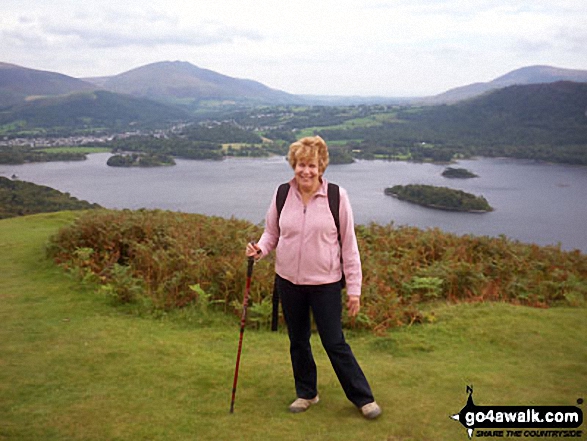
(514, 418)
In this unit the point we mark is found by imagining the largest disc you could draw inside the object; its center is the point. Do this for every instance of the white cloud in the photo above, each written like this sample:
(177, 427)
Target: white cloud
(384, 47)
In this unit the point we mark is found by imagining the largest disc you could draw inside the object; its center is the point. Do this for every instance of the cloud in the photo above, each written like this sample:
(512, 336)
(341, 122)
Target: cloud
(116, 37)
(332, 46)
(110, 29)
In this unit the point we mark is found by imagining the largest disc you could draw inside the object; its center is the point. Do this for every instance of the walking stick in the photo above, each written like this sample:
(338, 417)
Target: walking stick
(243, 320)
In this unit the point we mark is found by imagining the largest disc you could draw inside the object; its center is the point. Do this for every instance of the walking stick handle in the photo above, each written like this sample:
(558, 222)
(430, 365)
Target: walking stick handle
(251, 262)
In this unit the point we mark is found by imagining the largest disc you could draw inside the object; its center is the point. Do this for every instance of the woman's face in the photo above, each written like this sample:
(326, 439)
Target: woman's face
(307, 174)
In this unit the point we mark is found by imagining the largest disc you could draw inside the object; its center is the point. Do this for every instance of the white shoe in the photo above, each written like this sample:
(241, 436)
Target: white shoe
(371, 410)
(302, 404)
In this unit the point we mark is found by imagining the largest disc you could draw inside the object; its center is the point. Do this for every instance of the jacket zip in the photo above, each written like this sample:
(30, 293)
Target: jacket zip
(301, 244)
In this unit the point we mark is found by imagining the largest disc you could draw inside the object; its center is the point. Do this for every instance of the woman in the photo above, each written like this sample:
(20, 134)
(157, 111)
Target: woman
(309, 272)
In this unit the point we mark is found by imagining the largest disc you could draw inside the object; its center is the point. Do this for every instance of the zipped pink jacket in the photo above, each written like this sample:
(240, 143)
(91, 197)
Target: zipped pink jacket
(306, 241)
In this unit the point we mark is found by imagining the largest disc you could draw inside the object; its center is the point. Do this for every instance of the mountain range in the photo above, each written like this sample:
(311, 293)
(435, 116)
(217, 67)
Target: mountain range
(172, 90)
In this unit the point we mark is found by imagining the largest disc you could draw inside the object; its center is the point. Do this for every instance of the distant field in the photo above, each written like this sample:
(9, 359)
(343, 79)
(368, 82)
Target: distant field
(74, 149)
(369, 121)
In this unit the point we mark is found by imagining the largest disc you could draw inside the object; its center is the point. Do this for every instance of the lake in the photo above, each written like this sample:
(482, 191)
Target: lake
(534, 202)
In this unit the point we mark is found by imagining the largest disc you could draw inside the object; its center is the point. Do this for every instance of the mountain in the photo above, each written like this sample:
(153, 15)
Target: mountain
(93, 109)
(546, 121)
(182, 82)
(19, 84)
(525, 75)
(545, 114)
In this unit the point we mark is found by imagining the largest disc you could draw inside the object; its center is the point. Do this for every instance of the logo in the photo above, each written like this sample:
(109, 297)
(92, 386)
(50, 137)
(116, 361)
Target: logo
(519, 421)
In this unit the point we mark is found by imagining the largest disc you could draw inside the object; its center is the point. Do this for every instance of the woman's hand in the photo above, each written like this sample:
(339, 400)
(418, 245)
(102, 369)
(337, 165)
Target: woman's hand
(354, 305)
(253, 250)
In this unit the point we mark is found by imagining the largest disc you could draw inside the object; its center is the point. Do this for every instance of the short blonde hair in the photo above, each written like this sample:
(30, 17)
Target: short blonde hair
(311, 147)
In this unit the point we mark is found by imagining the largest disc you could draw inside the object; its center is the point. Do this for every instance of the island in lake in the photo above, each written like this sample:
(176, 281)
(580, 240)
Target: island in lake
(140, 160)
(442, 198)
(461, 173)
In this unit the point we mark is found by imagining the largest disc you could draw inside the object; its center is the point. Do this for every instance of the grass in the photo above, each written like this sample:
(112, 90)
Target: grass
(75, 367)
(369, 121)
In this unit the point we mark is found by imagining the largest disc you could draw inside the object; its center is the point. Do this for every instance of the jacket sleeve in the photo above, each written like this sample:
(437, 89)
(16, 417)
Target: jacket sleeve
(270, 236)
(350, 249)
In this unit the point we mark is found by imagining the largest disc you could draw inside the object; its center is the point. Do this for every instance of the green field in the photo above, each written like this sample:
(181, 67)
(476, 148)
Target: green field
(75, 367)
(369, 121)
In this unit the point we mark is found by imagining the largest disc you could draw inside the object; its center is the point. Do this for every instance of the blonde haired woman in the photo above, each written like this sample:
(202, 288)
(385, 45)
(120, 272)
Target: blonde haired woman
(309, 275)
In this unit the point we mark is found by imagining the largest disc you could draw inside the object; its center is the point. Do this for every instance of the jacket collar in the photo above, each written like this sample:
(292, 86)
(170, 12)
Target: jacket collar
(322, 190)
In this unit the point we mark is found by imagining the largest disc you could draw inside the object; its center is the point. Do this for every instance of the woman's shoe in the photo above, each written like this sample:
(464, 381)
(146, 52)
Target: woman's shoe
(371, 410)
(302, 404)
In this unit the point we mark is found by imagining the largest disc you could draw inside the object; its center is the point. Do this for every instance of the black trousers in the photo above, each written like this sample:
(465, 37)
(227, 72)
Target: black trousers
(326, 305)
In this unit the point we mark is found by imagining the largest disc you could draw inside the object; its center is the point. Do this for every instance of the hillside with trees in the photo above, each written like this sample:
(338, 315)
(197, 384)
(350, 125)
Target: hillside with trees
(99, 109)
(24, 154)
(18, 198)
(545, 122)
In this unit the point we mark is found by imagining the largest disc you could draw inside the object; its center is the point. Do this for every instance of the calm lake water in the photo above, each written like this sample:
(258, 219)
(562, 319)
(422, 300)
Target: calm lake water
(534, 202)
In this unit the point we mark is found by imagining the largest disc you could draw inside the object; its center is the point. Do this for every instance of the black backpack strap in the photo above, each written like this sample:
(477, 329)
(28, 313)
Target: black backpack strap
(334, 204)
(282, 192)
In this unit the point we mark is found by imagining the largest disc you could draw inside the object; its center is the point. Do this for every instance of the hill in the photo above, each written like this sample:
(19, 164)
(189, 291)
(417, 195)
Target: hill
(90, 110)
(76, 368)
(525, 75)
(18, 198)
(548, 113)
(537, 121)
(183, 82)
(19, 84)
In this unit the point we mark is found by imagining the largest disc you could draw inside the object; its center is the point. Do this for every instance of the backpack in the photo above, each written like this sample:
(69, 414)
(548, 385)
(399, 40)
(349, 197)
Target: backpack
(334, 205)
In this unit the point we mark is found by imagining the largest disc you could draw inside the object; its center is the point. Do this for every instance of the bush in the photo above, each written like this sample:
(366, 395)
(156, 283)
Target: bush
(168, 260)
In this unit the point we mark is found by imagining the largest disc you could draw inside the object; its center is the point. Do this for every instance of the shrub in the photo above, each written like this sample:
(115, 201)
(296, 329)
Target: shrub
(171, 260)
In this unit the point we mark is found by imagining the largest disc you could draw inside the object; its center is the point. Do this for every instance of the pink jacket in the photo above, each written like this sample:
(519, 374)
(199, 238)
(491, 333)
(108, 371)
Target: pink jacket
(306, 243)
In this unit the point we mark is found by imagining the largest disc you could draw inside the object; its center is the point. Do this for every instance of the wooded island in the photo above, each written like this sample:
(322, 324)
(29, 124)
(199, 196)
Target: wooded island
(461, 173)
(442, 198)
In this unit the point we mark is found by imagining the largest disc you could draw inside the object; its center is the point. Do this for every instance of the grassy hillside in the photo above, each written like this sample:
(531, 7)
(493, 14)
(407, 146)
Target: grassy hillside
(74, 367)
(18, 84)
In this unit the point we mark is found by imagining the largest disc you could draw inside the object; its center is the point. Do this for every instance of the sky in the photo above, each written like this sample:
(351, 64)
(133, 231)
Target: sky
(394, 48)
